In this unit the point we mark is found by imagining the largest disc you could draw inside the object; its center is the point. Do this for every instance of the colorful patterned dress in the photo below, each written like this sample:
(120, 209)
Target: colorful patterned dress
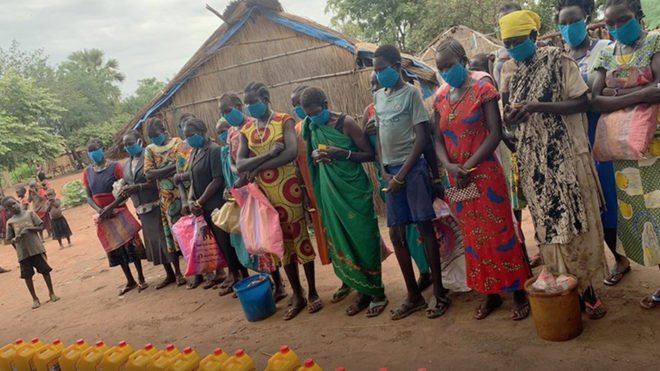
(158, 157)
(494, 256)
(638, 182)
(282, 188)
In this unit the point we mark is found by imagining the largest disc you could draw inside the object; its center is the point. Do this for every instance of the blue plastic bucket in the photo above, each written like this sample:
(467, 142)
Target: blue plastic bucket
(256, 297)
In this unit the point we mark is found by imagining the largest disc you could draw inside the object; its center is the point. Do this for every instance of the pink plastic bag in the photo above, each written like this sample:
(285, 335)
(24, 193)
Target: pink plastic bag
(260, 222)
(198, 245)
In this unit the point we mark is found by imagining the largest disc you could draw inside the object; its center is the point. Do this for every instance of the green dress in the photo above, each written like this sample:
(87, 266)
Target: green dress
(345, 199)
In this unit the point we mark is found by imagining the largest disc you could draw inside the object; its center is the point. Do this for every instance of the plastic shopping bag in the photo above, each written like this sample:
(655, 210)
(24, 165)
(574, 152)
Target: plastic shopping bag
(228, 218)
(198, 245)
(260, 222)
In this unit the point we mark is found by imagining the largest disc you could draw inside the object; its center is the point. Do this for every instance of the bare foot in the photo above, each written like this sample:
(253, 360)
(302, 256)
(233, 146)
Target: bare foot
(54, 298)
(70, 244)
(36, 304)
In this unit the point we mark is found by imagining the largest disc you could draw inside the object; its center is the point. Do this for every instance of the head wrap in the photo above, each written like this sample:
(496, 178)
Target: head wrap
(519, 23)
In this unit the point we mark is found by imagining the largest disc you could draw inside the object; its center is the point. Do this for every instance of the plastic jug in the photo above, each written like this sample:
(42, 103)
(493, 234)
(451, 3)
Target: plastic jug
(91, 358)
(48, 357)
(7, 354)
(24, 358)
(140, 359)
(214, 362)
(311, 366)
(115, 358)
(341, 369)
(71, 355)
(239, 362)
(161, 360)
(186, 361)
(284, 360)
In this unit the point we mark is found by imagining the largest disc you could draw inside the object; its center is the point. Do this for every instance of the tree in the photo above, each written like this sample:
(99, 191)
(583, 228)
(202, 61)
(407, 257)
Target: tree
(91, 63)
(146, 91)
(22, 143)
(105, 131)
(23, 100)
(27, 64)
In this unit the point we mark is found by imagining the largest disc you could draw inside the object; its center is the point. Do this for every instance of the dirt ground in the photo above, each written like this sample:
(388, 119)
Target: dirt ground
(91, 309)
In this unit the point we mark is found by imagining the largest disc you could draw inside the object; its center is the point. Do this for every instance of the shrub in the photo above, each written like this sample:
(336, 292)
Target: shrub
(74, 194)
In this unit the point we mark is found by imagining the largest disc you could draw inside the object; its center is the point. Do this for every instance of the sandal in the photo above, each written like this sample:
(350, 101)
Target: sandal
(406, 309)
(521, 313)
(591, 310)
(127, 289)
(341, 294)
(142, 286)
(361, 304)
(484, 311)
(181, 281)
(226, 290)
(315, 306)
(536, 261)
(194, 284)
(376, 308)
(292, 312)
(164, 284)
(280, 297)
(437, 307)
(650, 302)
(213, 282)
(615, 277)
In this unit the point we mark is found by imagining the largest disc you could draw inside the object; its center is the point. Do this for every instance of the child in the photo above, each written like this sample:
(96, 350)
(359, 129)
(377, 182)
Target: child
(38, 199)
(23, 232)
(400, 117)
(57, 220)
(21, 193)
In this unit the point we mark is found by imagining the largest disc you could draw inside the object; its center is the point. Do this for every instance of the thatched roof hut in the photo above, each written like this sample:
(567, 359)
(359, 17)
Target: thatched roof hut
(473, 41)
(260, 42)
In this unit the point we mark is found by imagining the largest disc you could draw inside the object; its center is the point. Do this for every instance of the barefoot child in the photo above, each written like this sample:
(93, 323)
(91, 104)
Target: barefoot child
(57, 220)
(23, 232)
(21, 193)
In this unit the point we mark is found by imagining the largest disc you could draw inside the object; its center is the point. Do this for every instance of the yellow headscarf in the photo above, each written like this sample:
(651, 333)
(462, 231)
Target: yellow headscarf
(519, 23)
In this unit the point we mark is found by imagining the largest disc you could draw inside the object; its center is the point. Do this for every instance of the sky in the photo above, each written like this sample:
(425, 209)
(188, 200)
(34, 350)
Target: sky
(149, 38)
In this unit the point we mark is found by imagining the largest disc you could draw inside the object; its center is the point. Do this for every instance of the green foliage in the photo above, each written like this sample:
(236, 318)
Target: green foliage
(146, 91)
(26, 143)
(74, 194)
(22, 99)
(105, 131)
(28, 64)
(23, 173)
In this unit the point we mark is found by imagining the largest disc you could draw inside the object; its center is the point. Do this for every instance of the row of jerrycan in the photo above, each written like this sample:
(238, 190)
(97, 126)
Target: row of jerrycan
(37, 356)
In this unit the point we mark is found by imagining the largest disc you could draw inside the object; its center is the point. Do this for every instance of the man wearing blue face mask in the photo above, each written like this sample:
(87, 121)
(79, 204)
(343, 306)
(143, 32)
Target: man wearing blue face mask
(401, 121)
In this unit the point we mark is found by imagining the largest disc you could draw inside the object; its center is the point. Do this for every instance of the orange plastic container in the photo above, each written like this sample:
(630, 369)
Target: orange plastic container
(311, 366)
(161, 360)
(341, 369)
(24, 358)
(71, 355)
(187, 361)
(91, 358)
(48, 357)
(239, 362)
(7, 354)
(284, 360)
(115, 358)
(139, 360)
(214, 361)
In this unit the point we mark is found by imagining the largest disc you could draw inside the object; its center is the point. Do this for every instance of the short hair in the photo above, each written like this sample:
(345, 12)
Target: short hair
(587, 6)
(453, 45)
(300, 88)
(509, 8)
(198, 125)
(41, 175)
(389, 52)
(135, 134)
(96, 141)
(634, 5)
(259, 89)
(5, 199)
(22, 189)
(232, 98)
(313, 96)
(155, 122)
(51, 190)
(185, 117)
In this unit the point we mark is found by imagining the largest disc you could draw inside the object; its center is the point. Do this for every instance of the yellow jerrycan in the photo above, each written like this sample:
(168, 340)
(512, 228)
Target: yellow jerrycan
(92, 357)
(115, 358)
(48, 357)
(139, 360)
(71, 355)
(161, 360)
(7, 354)
(284, 360)
(214, 361)
(24, 358)
(311, 366)
(186, 361)
(239, 362)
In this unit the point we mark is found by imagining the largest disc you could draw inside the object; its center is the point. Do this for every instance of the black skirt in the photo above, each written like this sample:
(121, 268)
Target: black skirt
(60, 228)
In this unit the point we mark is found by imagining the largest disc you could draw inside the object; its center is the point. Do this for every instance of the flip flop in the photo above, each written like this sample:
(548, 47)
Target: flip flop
(437, 307)
(615, 277)
(590, 310)
(292, 312)
(536, 261)
(214, 282)
(484, 311)
(3, 270)
(406, 309)
(181, 281)
(376, 308)
(127, 289)
(357, 307)
(227, 290)
(143, 286)
(194, 284)
(341, 294)
(521, 313)
(164, 284)
(650, 302)
(281, 297)
(315, 306)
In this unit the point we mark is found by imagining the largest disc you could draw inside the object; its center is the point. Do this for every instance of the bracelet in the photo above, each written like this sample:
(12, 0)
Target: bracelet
(196, 203)
(437, 181)
(398, 181)
(349, 154)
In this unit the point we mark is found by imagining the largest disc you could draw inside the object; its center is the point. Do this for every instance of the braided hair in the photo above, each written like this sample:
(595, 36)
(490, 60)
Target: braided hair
(259, 89)
(134, 134)
(634, 5)
(155, 122)
(232, 98)
(455, 47)
(198, 125)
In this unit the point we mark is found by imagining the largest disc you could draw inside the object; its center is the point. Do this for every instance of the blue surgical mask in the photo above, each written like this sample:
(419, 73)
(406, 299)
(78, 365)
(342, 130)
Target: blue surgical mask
(223, 136)
(235, 117)
(300, 112)
(523, 51)
(455, 76)
(388, 77)
(196, 141)
(159, 140)
(574, 34)
(257, 110)
(96, 156)
(321, 119)
(134, 150)
(627, 34)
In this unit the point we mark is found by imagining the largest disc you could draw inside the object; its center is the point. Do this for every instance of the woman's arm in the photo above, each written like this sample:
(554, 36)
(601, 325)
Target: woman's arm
(494, 126)
(352, 130)
(90, 200)
(456, 170)
(286, 156)
(564, 108)
(245, 163)
(162, 173)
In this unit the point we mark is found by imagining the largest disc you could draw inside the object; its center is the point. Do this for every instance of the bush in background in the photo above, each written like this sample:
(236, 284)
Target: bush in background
(23, 173)
(74, 194)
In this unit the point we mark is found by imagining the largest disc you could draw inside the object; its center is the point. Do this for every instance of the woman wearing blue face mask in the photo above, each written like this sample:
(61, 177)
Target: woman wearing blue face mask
(98, 180)
(573, 17)
(146, 201)
(627, 78)
(557, 172)
(468, 132)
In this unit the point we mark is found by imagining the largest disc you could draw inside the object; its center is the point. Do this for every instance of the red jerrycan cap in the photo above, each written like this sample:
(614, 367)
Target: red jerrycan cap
(284, 349)
(218, 351)
(100, 343)
(35, 340)
(80, 342)
(240, 353)
(122, 344)
(309, 363)
(341, 369)
(19, 341)
(187, 350)
(170, 347)
(148, 347)
(57, 342)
